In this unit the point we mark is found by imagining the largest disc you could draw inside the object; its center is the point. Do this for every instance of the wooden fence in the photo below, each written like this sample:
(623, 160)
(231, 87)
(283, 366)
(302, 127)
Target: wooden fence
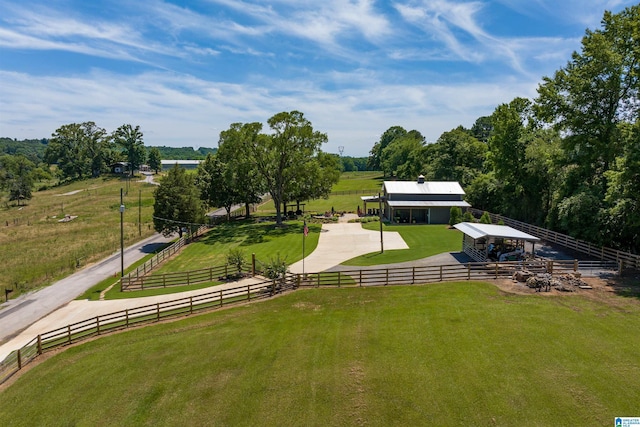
(137, 316)
(181, 278)
(452, 272)
(215, 299)
(165, 254)
(625, 259)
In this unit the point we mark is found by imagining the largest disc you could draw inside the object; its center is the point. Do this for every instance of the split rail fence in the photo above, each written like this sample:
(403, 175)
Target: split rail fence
(453, 272)
(625, 259)
(138, 316)
(163, 255)
(219, 298)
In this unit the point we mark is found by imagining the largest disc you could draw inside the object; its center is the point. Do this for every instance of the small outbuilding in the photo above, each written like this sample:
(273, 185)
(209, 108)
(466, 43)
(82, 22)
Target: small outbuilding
(184, 164)
(484, 242)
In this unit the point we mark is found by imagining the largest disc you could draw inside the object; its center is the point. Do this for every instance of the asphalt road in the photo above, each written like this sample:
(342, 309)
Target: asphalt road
(17, 314)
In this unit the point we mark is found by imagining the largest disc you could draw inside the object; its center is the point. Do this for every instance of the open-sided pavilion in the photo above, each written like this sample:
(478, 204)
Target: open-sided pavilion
(484, 242)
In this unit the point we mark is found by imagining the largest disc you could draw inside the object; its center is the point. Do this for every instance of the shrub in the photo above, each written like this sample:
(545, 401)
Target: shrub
(455, 215)
(236, 259)
(468, 217)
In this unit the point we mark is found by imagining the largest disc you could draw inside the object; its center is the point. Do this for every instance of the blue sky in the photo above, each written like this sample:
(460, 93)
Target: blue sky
(185, 70)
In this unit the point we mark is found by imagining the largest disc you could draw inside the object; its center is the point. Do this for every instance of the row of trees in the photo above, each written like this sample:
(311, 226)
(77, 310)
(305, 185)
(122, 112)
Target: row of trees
(84, 150)
(568, 160)
(287, 163)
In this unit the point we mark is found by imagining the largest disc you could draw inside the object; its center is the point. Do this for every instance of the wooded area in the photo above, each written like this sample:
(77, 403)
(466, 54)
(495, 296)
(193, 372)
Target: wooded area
(568, 160)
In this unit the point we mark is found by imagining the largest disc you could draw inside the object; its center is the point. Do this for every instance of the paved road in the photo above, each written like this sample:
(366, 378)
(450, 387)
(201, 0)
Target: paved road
(19, 313)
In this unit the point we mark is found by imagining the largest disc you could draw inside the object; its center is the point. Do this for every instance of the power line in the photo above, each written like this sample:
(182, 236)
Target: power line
(181, 222)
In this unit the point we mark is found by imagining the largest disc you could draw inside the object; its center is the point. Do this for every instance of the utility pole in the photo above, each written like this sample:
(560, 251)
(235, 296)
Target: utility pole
(121, 235)
(139, 212)
(380, 211)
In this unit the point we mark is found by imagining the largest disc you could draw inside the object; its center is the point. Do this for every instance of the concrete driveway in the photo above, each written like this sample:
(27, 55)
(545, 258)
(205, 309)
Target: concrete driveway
(342, 241)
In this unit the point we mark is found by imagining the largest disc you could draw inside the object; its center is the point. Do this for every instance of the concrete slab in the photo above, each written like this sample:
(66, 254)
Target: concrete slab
(342, 241)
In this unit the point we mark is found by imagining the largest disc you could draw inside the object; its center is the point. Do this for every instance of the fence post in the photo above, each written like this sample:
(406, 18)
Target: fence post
(496, 270)
(248, 292)
(413, 275)
(98, 325)
(441, 273)
(157, 311)
(19, 359)
(360, 280)
(468, 271)
(339, 276)
(220, 297)
(191, 305)
(69, 332)
(620, 265)
(39, 344)
(386, 280)
(253, 264)
(126, 317)
(575, 265)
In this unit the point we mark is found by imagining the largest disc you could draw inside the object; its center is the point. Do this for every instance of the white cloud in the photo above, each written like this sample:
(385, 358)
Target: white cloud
(182, 110)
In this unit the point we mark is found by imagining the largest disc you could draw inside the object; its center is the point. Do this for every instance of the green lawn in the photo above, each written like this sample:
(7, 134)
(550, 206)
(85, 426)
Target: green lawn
(264, 239)
(443, 354)
(423, 241)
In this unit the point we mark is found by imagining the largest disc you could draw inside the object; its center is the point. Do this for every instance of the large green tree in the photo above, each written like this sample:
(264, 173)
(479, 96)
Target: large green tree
(242, 170)
(17, 176)
(590, 100)
(131, 141)
(456, 156)
(275, 156)
(375, 155)
(154, 159)
(177, 203)
(80, 150)
(215, 182)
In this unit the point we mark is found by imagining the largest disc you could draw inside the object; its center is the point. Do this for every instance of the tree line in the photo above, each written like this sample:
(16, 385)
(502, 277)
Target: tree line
(287, 163)
(568, 160)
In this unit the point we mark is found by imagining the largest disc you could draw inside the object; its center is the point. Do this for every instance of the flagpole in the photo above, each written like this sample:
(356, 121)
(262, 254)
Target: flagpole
(305, 231)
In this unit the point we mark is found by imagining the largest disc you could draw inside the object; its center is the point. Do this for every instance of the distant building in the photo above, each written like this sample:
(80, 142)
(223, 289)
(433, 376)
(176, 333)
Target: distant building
(185, 164)
(120, 168)
(419, 202)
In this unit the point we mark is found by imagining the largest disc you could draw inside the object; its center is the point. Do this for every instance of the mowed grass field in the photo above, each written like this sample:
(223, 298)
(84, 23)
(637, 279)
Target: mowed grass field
(264, 239)
(346, 194)
(441, 354)
(423, 241)
(37, 249)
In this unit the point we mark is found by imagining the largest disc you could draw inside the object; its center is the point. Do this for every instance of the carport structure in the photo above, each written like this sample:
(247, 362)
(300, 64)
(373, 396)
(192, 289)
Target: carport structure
(484, 242)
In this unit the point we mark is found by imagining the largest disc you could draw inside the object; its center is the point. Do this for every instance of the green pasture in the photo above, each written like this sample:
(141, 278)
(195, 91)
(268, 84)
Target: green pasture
(423, 241)
(356, 183)
(365, 180)
(442, 354)
(39, 249)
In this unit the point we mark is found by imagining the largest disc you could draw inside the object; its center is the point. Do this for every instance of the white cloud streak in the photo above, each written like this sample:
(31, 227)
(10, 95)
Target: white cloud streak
(184, 111)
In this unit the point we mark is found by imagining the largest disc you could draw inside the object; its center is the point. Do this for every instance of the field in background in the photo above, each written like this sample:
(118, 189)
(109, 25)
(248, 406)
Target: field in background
(442, 354)
(37, 249)
(345, 194)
